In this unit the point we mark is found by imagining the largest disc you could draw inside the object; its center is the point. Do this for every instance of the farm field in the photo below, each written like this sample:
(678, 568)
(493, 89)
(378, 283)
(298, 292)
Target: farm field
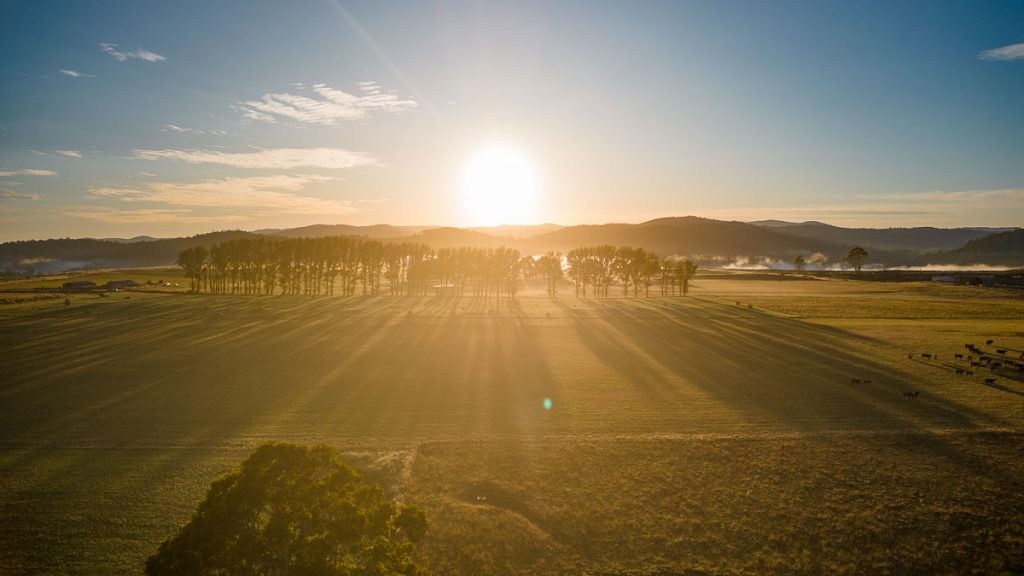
(717, 433)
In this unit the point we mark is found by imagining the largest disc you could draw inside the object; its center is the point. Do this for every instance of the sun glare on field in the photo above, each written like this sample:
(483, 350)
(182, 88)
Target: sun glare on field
(499, 186)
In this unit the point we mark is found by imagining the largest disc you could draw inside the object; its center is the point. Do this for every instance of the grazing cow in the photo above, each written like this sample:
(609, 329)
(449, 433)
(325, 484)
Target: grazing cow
(969, 346)
(969, 357)
(990, 380)
(910, 356)
(996, 365)
(969, 373)
(926, 356)
(959, 371)
(989, 342)
(867, 381)
(1000, 350)
(958, 356)
(911, 394)
(975, 364)
(854, 380)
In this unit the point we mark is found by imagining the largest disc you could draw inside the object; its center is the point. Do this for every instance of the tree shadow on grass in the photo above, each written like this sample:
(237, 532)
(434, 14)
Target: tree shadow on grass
(774, 370)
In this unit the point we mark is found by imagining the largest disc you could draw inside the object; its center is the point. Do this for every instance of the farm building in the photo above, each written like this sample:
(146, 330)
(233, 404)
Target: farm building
(119, 284)
(944, 279)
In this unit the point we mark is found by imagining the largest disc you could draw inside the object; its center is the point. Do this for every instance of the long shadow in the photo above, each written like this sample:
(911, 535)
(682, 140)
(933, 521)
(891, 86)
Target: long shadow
(784, 373)
(727, 359)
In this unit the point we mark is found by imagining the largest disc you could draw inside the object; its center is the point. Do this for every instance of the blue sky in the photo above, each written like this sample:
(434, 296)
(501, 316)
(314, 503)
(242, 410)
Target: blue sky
(170, 118)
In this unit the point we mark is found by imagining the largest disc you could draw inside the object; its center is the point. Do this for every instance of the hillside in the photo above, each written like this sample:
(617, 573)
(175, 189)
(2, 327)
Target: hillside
(693, 236)
(713, 242)
(59, 255)
(921, 239)
(1004, 248)
(380, 231)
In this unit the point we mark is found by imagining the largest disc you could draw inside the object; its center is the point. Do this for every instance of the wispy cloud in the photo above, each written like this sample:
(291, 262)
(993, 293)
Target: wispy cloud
(952, 196)
(274, 158)
(70, 153)
(138, 54)
(75, 73)
(326, 105)
(146, 216)
(14, 195)
(198, 131)
(1011, 52)
(260, 195)
(26, 172)
(958, 208)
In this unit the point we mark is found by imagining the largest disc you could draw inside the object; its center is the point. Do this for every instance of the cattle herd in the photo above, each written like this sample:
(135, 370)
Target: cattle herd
(999, 363)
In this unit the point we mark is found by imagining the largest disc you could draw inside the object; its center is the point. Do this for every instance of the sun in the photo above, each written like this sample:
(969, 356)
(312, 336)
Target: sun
(499, 186)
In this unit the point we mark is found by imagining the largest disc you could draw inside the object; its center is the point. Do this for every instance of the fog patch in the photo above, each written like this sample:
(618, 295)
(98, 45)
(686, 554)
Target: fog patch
(954, 268)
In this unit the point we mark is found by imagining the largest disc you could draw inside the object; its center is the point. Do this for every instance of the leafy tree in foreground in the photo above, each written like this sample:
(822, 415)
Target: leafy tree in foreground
(856, 257)
(291, 509)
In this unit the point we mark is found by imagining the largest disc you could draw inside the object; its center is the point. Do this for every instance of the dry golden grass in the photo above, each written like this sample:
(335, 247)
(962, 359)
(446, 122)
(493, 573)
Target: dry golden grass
(685, 433)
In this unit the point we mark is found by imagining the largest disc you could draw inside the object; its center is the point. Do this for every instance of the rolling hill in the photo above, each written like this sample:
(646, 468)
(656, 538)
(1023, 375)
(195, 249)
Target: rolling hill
(712, 242)
(919, 239)
(1003, 248)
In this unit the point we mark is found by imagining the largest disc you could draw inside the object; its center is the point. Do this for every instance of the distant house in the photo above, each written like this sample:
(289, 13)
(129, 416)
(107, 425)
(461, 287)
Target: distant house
(982, 281)
(119, 284)
(944, 279)
(79, 285)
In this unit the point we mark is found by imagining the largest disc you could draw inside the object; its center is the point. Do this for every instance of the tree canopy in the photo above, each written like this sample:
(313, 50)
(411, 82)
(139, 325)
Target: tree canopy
(291, 509)
(856, 257)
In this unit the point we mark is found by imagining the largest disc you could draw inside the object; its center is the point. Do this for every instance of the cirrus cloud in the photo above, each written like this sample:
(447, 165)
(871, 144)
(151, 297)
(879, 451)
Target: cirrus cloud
(1011, 52)
(145, 216)
(258, 195)
(75, 73)
(138, 54)
(26, 172)
(273, 158)
(327, 106)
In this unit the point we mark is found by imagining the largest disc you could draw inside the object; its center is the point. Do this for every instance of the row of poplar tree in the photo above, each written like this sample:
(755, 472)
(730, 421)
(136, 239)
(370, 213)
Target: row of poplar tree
(351, 265)
(634, 268)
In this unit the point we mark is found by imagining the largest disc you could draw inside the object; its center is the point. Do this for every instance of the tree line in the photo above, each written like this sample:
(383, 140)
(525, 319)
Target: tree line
(634, 268)
(350, 265)
(346, 265)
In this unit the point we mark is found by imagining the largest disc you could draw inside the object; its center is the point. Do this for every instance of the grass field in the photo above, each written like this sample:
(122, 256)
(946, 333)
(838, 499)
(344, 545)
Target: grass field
(718, 433)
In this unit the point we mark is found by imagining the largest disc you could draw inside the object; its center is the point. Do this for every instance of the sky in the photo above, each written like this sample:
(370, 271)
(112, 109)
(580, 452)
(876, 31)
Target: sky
(175, 118)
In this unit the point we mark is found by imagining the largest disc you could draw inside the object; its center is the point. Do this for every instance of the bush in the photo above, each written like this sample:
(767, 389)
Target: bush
(291, 509)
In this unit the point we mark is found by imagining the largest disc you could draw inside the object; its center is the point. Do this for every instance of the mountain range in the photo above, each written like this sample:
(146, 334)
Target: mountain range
(770, 243)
